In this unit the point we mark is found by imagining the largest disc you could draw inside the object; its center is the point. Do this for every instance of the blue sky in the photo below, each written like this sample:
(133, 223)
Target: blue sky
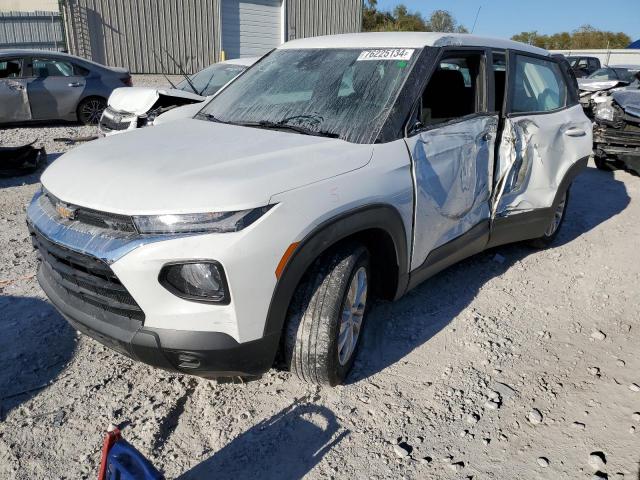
(504, 18)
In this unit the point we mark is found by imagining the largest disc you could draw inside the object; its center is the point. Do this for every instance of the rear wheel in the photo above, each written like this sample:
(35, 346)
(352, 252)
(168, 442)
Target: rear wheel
(327, 315)
(90, 110)
(554, 225)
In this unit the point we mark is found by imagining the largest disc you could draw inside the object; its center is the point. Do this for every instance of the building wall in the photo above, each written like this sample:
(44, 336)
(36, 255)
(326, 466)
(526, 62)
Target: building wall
(607, 57)
(28, 5)
(38, 29)
(142, 34)
(310, 18)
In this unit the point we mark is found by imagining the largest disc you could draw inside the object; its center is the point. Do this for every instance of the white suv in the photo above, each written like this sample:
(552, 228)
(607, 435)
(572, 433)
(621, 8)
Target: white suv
(337, 169)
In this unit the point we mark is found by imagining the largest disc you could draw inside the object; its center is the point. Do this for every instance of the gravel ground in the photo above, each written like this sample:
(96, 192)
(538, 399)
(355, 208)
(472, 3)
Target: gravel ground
(515, 363)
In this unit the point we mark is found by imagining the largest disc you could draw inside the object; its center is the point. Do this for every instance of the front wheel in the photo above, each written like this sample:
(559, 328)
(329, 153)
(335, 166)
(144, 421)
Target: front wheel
(554, 225)
(603, 164)
(327, 315)
(90, 110)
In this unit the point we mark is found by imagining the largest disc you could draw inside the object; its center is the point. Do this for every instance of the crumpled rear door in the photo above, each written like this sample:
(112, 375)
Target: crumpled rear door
(536, 149)
(535, 153)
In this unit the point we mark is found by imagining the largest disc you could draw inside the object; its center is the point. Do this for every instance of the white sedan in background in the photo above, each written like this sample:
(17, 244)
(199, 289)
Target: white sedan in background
(131, 108)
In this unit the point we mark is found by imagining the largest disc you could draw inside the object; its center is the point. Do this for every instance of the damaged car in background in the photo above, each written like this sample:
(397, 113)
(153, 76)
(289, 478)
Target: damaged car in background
(611, 98)
(137, 107)
(338, 170)
(616, 131)
(40, 85)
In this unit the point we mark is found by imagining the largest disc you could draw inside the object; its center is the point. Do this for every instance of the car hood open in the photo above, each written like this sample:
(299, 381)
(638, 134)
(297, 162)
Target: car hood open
(192, 166)
(139, 100)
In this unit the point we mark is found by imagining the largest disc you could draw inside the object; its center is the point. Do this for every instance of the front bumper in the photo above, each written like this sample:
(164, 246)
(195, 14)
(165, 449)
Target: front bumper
(621, 144)
(205, 354)
(107, 287)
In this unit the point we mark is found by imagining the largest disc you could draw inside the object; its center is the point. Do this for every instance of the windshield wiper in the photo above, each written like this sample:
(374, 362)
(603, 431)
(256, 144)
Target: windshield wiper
(284, 126)
(209, 117)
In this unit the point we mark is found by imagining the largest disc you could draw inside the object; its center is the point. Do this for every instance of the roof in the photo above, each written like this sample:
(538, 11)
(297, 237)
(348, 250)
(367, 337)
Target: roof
(408, 40)
(28, 51)
(635, 44)
(52, 53)
(246, 61)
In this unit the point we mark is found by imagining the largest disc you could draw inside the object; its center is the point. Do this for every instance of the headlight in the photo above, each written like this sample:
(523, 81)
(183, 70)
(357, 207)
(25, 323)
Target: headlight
(604, 111)
(219, 222)
(198, 281)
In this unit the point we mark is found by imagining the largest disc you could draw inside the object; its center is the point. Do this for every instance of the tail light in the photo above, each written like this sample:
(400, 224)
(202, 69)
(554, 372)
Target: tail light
(127, 81)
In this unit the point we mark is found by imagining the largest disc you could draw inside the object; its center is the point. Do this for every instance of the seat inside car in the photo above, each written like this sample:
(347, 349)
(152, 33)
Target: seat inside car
(446, 97)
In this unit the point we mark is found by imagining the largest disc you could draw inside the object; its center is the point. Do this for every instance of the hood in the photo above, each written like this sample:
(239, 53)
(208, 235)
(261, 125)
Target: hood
(192, 166)
(139, 100)
(592, 85)
(629, 100)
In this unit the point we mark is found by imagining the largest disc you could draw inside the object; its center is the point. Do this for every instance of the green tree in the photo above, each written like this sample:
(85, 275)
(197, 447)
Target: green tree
(402, 20)
(585, 37)
(443, 21)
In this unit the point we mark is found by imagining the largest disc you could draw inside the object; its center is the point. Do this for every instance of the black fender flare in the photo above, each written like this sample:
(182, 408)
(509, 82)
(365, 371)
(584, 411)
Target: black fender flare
(377, 216)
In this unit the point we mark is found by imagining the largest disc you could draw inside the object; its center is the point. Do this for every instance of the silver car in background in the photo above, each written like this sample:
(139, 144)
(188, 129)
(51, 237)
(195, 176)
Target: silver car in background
(131, 108)
(43, 85)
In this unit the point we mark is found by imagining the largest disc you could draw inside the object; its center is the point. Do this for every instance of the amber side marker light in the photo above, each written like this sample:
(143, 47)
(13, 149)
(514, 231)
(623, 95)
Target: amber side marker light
(285, 258)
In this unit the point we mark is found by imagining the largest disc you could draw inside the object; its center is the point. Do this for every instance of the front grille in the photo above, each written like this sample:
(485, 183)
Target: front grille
(113, 120)
(86, 278)
(87, 216)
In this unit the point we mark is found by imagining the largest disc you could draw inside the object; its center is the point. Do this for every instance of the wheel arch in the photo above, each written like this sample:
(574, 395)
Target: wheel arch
(379, 227)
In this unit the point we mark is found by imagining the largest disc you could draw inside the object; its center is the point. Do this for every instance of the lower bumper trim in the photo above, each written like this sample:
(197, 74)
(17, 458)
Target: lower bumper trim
(204, 354)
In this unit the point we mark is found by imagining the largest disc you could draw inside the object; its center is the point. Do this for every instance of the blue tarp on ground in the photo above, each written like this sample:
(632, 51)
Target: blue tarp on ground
(635, 44)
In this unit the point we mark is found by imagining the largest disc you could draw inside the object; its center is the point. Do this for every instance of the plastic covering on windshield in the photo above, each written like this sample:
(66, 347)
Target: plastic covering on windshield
(340, 93)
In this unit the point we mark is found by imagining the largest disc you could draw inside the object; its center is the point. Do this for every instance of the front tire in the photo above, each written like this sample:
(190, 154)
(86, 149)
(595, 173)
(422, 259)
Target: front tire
(555, 224)
(90, 110)
(327, 315)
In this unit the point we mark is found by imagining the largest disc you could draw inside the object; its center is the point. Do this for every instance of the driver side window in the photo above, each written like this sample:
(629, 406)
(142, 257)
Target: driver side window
(452, 91)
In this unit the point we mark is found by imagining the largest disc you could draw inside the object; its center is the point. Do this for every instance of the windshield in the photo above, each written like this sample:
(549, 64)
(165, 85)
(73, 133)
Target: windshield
(603, 74)
(211, 79)
(342, 93)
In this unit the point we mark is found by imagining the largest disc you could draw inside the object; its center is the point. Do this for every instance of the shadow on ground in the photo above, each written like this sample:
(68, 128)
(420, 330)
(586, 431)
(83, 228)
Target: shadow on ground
(395, 329)
(36, 343)
(284, 447)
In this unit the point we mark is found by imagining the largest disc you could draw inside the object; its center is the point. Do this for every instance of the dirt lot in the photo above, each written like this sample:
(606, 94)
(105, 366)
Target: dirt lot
(513, 364)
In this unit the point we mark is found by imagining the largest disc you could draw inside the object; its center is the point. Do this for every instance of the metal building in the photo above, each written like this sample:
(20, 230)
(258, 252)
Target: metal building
(143, 35)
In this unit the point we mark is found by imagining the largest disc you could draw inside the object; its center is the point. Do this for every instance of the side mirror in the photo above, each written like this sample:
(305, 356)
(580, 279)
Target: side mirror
(415, 128)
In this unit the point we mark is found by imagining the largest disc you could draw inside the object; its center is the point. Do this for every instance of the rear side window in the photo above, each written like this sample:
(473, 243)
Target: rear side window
(11, 68)
(43, 68)
(538, 86)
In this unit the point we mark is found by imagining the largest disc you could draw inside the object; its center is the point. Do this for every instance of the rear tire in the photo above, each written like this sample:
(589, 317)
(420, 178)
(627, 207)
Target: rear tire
(555, 224)
(327, 315)
(90, 110)
(602, 164)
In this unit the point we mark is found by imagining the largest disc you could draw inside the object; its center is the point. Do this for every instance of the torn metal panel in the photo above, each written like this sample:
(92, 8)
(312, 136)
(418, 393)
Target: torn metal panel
(21, 160)
(453, 167)
(535, 153)
(14, 102)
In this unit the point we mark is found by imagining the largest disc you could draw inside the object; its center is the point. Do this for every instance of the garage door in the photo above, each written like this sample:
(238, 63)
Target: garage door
(250, 28)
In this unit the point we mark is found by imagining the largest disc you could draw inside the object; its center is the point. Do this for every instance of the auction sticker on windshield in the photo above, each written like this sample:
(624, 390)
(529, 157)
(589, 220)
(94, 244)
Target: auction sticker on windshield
(387, 54)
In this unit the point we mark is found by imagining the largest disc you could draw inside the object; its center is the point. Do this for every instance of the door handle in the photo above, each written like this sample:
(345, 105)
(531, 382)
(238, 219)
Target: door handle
(75, 84)
(575, 132)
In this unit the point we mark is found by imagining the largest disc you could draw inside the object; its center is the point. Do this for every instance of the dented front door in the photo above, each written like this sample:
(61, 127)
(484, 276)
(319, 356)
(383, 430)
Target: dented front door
(453, 166)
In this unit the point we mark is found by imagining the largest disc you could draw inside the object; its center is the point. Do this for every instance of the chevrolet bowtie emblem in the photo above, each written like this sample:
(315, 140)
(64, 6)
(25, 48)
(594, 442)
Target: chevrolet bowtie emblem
(65, 211)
